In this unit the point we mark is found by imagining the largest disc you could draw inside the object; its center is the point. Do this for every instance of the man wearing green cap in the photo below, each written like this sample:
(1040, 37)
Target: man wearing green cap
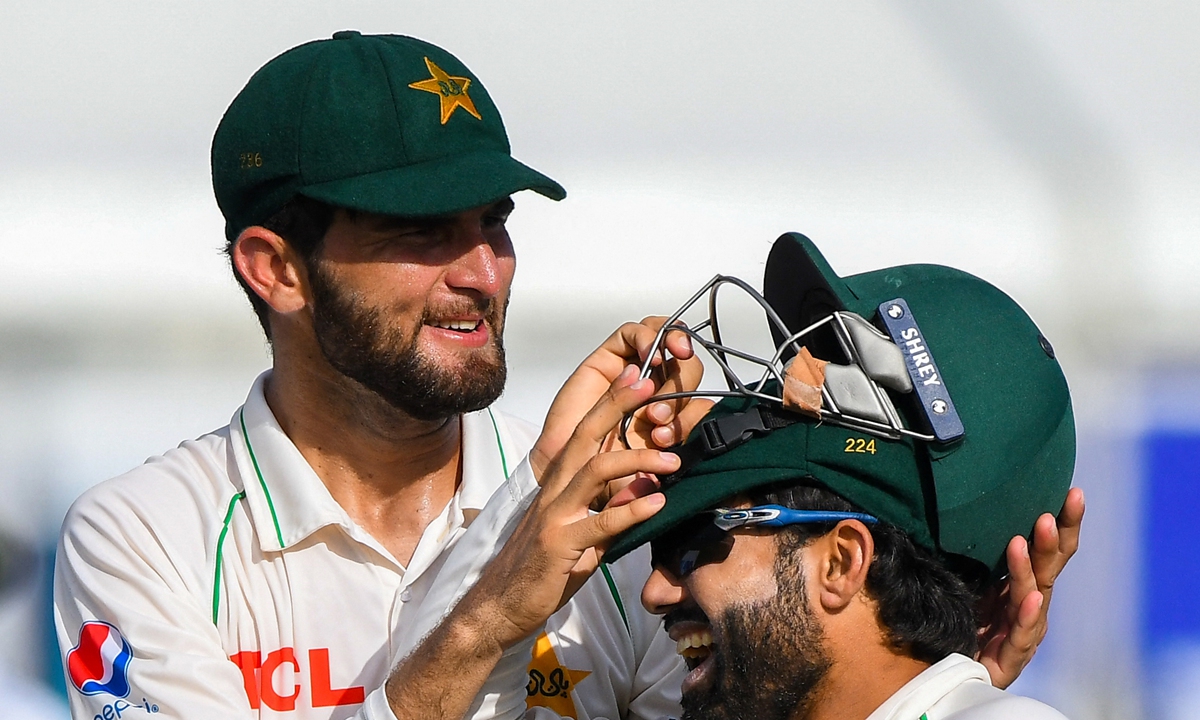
(291, 563)
(828, 559)
(279, 565)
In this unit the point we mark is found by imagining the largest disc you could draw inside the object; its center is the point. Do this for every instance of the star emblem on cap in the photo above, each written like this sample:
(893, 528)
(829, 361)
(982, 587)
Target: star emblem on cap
(452, 91)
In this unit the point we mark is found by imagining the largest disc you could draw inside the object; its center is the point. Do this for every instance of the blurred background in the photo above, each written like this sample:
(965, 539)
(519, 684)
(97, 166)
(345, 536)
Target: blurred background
(1049, 147)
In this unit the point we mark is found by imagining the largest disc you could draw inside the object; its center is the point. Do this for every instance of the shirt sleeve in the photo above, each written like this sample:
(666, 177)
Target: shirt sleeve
(129, 624)
(471, 554)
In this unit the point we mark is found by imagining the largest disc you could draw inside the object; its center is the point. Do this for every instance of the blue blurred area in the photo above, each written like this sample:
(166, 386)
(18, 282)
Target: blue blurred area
(1170, 571)
(1170, 577)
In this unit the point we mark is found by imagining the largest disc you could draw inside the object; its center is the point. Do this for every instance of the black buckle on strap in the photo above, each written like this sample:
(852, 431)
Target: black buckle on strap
(720, 435)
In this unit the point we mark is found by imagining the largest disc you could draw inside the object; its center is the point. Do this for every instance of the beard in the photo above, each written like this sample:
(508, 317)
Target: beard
(769, 661)
(358, 342)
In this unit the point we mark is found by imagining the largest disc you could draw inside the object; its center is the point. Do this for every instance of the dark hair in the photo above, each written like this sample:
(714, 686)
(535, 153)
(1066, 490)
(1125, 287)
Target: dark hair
(302, 222)
(927, 602)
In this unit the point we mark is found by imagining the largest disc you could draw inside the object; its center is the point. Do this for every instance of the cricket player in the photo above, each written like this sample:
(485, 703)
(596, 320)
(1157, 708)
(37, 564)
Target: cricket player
(823, 551)
(301, 562)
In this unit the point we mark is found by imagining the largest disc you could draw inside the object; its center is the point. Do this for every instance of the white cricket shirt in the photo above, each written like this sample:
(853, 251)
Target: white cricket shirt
(222, 580)
(958, 688)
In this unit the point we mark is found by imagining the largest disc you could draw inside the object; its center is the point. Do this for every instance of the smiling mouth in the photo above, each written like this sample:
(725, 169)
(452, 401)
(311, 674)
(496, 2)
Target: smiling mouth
(695, 647)
(463, 326)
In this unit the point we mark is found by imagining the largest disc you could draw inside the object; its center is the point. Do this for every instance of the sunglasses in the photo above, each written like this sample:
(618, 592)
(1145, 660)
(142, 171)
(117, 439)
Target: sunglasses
(706, 538)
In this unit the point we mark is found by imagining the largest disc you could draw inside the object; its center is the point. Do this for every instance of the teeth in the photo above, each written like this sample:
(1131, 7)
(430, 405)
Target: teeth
(459, 325)
(694, 644)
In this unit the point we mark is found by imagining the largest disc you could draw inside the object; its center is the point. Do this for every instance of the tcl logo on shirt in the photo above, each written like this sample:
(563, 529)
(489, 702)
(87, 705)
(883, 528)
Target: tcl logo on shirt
(259, 674)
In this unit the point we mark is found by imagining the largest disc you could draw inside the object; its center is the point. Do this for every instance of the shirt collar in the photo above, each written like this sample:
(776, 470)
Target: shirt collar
(489, 457)
(288, 501)
(925, 690)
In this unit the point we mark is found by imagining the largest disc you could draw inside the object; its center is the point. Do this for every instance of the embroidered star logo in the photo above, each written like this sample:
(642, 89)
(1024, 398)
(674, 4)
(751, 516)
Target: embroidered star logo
(452, 91)
(550, 684)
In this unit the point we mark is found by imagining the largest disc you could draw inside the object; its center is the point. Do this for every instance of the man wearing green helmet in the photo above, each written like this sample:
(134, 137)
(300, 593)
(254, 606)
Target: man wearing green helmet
(828, 559)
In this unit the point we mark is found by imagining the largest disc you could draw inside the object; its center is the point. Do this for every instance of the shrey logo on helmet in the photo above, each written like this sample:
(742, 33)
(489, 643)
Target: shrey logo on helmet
(99, 663)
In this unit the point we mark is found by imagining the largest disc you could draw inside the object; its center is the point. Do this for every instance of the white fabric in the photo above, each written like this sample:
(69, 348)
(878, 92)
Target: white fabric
(958, 688)
(236, 526)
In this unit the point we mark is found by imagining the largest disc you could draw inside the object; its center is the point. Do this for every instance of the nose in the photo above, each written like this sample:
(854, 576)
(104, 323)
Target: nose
(662, 592)
(478, 267)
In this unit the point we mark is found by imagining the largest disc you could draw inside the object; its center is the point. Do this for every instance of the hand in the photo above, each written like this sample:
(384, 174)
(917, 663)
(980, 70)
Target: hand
(1018, 611)
(657, 425)
(558, 544)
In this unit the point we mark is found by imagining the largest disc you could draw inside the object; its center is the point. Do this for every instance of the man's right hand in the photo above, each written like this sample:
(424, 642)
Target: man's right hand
(556, 546)
(559, 542)
(658, 425)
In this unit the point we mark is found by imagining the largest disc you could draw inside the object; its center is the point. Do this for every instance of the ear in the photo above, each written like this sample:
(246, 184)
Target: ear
(269, 266)
(843, 556)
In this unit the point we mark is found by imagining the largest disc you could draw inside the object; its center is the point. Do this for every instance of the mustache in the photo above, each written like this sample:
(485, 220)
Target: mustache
(684, 614)
(489, 308)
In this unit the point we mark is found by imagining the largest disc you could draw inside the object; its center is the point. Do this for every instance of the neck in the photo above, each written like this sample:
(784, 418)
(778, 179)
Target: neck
(392, 473)
(865, 672)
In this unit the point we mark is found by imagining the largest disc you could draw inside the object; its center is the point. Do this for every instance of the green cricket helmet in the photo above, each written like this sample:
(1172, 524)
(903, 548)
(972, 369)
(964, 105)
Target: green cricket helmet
(920, 393)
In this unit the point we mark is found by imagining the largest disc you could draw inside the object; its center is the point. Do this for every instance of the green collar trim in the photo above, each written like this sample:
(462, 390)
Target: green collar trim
(216, 603)
(612, 588)
(261, 481)
(499, 444)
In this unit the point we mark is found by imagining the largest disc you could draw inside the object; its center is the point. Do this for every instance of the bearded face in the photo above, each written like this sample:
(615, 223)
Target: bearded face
(767, 657)
(358, 340)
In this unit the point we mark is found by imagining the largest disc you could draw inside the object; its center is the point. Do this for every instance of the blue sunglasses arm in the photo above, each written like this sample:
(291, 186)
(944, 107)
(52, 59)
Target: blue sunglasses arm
(787, 516)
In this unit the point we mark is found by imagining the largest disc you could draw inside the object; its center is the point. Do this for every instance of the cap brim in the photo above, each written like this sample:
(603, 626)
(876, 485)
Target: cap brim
(439, 187)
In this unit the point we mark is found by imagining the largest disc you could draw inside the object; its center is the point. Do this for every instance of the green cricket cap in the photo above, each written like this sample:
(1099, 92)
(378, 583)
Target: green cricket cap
(380, 123)
(967, 497)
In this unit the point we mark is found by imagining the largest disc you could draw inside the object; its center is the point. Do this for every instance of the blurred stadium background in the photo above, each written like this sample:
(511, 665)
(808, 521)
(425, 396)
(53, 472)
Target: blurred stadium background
(1049, 147)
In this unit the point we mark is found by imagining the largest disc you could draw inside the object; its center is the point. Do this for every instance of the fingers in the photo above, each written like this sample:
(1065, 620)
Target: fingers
(596, 531)
(641, 485)
(690, 416)
(1069, 522)
(1013, 651)
(1021, 579)
(631, 343)
(678, 344)
(678, 427)
(606, 413)
(1064, 531)
(665, 427)
(1055, 540)
(682, 375)
(1046, 550)
(1032, 573)
(593, 477)
(634, 340)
